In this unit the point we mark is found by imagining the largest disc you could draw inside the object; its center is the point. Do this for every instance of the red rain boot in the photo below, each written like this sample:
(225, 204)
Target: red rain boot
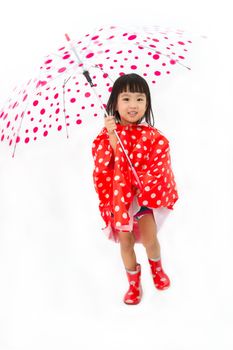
(134, 294)
(161, 280)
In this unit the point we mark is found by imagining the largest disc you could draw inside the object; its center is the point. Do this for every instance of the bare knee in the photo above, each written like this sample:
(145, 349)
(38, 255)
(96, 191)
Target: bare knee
(126, 240)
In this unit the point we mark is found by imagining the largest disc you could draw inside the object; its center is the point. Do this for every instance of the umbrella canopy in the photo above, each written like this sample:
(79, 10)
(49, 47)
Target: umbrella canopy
(74, 83)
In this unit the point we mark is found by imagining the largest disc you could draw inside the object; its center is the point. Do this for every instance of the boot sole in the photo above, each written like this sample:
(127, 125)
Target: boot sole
(137, 302)
(163, 288)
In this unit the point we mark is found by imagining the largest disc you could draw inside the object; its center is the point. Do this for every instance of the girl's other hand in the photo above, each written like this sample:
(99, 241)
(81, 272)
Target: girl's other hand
(110, 124)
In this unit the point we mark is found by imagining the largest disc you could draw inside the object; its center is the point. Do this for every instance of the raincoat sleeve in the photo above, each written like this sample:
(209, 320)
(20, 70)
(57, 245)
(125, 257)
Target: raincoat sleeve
(160, 150)
(159, 156)
(102, 152)
(103, 156)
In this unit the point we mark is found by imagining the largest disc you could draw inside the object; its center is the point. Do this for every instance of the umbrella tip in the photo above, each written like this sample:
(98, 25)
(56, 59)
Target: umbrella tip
(67, 37)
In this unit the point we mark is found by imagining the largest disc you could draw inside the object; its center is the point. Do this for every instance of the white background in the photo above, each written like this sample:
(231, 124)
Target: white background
(61, 281)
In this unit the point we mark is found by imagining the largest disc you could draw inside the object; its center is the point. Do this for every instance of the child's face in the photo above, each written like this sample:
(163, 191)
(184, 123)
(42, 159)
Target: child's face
(131, 106)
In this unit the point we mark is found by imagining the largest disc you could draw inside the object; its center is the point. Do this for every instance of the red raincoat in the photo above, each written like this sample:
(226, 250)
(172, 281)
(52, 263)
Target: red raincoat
(115, 184)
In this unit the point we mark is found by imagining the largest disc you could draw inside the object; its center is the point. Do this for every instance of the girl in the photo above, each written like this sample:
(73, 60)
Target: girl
(133, 213)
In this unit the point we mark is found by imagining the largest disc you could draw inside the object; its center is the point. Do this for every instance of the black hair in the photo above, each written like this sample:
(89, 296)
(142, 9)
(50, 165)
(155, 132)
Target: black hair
(132, 83)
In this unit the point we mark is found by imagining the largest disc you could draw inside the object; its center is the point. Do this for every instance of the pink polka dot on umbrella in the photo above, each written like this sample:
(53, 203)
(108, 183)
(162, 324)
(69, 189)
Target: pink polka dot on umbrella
(172, 61)
(132, 37)
(66, 57)
(95, 37)
(91, 54)
(61, 70)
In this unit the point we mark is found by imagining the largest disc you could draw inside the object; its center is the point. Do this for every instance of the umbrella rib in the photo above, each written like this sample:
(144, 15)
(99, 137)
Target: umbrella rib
(21, 121)
(64, 104)
(19, 128)
(163, 54)
(144, 46)
(98, 67)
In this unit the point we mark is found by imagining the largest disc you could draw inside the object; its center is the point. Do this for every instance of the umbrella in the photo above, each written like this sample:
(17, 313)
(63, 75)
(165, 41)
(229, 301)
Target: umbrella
(75, 81)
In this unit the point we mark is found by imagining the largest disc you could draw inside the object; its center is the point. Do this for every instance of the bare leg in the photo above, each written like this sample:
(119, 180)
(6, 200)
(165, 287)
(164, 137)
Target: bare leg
(127, 241)
(148, 230)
